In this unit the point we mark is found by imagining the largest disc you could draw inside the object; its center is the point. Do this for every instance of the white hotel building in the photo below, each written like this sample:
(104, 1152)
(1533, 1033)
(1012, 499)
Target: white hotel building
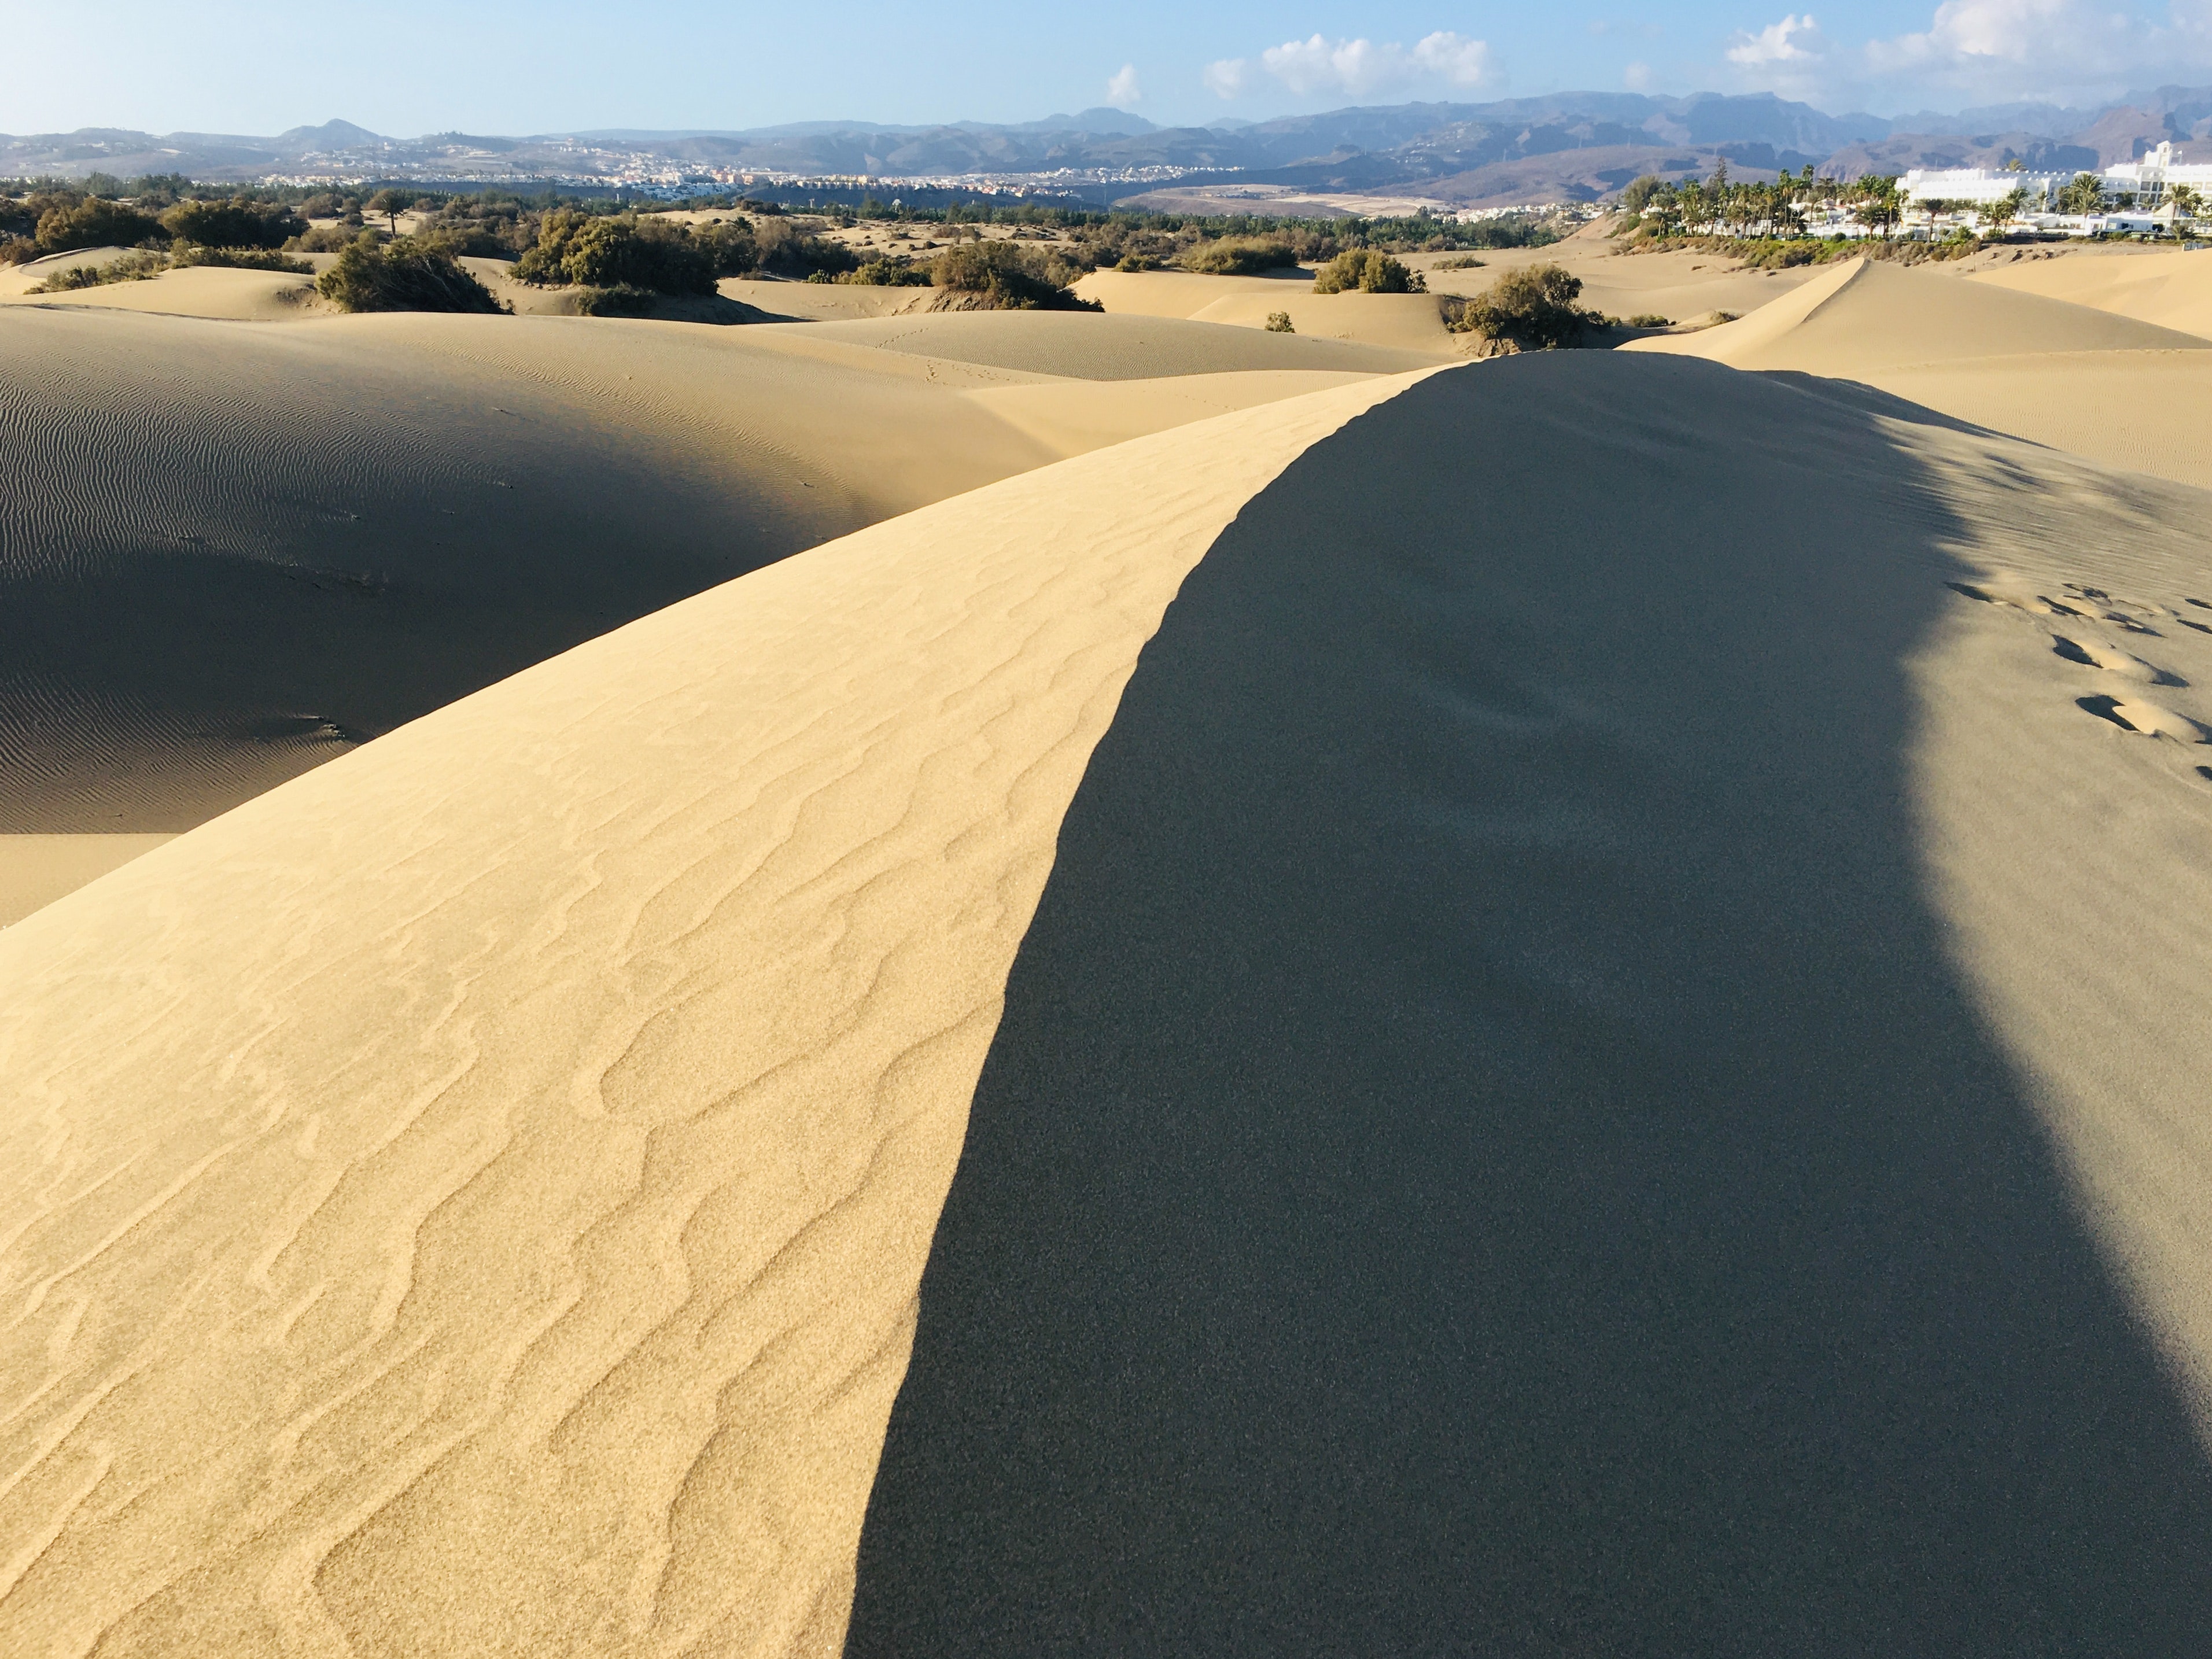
(2146, 180)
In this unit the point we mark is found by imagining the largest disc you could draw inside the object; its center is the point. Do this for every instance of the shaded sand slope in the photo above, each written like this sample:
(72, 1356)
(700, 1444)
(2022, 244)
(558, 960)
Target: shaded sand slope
(469, 1199)
(1109, 347)
(2172, 289)
(2118, 391)
(1614, 1082)
(228, 553)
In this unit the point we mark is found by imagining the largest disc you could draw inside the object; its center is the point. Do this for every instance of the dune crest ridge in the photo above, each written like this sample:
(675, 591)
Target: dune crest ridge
(471, 1198)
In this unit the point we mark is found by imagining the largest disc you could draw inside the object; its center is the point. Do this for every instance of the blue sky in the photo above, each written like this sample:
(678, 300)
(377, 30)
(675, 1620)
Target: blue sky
(408, 66)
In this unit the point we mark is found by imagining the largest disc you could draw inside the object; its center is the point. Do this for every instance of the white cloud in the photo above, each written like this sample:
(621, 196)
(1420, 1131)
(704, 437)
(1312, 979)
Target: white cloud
(1121, 89)
(1981, 52)
(1795, 39)
(1358, 68)
(1635, 77)
(1227, 77)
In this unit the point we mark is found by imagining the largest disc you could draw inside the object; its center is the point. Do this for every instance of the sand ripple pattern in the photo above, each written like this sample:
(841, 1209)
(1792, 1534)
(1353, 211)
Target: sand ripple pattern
(472, 1199)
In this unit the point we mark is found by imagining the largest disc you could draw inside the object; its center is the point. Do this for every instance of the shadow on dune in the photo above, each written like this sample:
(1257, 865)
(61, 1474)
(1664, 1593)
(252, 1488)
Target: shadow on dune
(1485, 1152)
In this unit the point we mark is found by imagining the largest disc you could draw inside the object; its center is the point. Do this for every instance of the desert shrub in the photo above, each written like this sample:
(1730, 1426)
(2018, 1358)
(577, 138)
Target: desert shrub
(231, 224)
(580, 249)
(1240, 257)
(239, 259)
(325, 239)
(17, 219)
(624, 299)
(402, 276)
(888, 273)
(1136, 262)
(96, 222)
(1367, 272)
(1533, 308)
(1464, 262)
(731, 246)
(1005, 277)
(130, 268)
(785, 250)
(1651, 319)
(1279, 322)
(17, 250)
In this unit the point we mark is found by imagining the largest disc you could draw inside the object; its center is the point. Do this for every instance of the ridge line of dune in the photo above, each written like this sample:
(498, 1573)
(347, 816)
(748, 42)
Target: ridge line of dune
(572, 1078)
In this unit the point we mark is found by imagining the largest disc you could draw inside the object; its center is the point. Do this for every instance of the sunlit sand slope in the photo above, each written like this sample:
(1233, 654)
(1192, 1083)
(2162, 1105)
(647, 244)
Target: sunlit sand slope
(469, 1199)
(2121, 392)
(2173, 290)
(1624, 1077)
(1110, 348)
(1870, 315)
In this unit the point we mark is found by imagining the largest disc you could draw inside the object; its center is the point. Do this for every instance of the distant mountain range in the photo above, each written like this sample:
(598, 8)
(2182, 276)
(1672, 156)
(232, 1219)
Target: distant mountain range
(1574, 145)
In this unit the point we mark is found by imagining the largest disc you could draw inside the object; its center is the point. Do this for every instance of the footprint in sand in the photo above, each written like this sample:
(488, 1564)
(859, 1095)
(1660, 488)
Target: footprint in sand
(2131, 714)
(2094, 655)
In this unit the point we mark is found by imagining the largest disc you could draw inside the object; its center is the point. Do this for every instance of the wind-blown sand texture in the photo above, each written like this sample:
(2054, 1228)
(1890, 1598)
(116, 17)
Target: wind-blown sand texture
(520, 1256)
(2123, 391)
(1523, 1081)
(232, 551)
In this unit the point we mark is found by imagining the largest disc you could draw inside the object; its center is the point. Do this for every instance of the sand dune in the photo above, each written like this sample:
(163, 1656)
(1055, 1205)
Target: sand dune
(1612, 1082)
(1402, 322)
(2171, 289)
(1865, 315)
(469, 1198)
(2117, 390)
(1621, 1081)
(1080, 346)
(824, 302)
(36, 870)
(239, 551)
(201, 291)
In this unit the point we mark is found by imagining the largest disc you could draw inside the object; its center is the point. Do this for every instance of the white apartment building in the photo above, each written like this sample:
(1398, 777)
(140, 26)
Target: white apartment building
(2146, 180)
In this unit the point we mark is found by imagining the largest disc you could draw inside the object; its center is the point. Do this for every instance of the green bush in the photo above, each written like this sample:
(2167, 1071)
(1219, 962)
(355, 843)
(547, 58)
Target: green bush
(1464, 262)
(1006, 276)
(579, 249)
(402, 276)
(784, 250)
(239, 259)
(1240, 257)
(1279, 322)
(231, 224)
(624, 300)
(17, 250)
(1367, 272)
(888, 273)
(96, 222)
(130, 268)
(1651, 319)
(326, 238)
(1531, 309)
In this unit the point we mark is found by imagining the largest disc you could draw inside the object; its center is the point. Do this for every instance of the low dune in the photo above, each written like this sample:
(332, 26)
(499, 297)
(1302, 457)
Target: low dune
(824, 302)
(201, 291)
(2120, 391)
(1863, 315)
(1684, 286)
(1232, 1045)
(239, 551)
(2171, 289)
(1400, 322)
(1083, 346)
